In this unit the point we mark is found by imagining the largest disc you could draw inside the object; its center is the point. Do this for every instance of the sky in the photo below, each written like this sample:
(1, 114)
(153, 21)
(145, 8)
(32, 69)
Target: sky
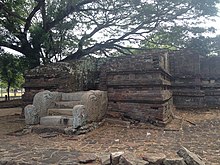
(215, 24)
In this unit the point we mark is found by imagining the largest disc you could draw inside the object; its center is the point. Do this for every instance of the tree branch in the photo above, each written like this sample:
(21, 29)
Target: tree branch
(95, 30)
(112, 41)
(11, 46)
(109, 44)
(28, 20)
(43, 13)
(70, 8)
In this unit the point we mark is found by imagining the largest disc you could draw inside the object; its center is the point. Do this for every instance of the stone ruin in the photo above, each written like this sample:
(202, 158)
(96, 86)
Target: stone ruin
(196, 80)
(186, 157)
(138, 87)
(145, 88)
(66, 77)
(74, 110)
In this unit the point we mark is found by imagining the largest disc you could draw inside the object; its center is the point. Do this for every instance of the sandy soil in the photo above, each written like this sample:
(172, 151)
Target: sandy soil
(199, 132)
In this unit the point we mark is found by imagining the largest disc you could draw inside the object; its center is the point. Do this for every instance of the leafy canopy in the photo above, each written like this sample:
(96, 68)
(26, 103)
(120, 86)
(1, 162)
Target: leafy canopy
(11, 70)
(49, 30)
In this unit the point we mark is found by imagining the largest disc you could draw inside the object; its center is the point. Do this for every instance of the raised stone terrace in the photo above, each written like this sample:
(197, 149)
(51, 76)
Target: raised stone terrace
(143, 87)
(138, 87)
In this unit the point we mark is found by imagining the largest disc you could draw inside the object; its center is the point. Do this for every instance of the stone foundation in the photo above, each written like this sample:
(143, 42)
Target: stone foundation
(196, 80)
(141, 87)
(137, 87)
(61, 77)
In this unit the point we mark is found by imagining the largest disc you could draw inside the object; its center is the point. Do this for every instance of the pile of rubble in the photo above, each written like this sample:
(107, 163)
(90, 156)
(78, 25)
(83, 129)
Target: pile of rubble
(121, 158)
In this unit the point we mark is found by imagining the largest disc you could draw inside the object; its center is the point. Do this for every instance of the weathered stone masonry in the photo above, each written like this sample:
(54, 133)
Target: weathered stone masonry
(196, 80)
(54, 77)
(61, 77)
(186, 84)
(210, 79)
(138, 87)
(142, 87)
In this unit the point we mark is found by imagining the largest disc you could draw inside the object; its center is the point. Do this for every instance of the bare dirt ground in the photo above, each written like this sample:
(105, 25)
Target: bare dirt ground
(10, 120)
(199, 132)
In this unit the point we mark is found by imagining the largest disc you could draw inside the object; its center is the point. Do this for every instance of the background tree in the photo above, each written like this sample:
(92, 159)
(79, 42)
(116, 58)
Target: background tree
(201, 45)
(11, 71)
(214, 45)
(177, 37)
(48, 30)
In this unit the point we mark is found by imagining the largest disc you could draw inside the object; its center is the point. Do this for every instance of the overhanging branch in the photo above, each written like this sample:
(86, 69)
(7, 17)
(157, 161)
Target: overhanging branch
(28, 20)
(11, 46)
(70, 8)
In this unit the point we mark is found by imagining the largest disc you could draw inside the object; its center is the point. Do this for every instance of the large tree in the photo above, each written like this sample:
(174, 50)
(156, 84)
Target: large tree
(45, 30)
(11, 71)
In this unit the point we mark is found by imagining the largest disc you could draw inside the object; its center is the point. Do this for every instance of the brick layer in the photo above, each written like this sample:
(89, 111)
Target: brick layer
(137, 87)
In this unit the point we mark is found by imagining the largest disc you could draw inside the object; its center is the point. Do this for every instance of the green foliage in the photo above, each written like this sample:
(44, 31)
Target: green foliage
(48, 30)
(3, 84)
(199, 45)
(211, 45)
(11, 70)
(180, 37)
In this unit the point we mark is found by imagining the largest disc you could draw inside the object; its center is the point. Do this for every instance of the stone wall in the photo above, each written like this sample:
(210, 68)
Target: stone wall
(141, 87)
(196, 80)
(61, 77)
(186, 84)
(210, 80)
(138, 86)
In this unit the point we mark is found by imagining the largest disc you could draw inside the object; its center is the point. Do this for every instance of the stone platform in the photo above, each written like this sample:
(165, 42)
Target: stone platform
(138, 87)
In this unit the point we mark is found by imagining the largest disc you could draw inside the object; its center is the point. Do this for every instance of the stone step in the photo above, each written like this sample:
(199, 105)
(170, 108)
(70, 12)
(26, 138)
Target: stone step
(60, 111)
(66, 104)
(76, 96)
(56, 121)
(48, 129)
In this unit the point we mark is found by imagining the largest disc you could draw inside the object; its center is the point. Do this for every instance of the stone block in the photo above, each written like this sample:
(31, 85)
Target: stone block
(105, 159)
(69, 131)
(87, 158)
(60, 112)
(95, 102)
(79, 116)
(174, 161)
(45, 99)
(66, 104)
(129, 159)
(31, 115)
(115, 156)
(76, 96)
(189, 157)
(56, 121)
(154, 158)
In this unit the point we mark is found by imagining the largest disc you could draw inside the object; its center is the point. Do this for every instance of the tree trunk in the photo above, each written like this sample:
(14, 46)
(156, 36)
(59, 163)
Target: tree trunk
(32, 55)
(8, 90)
(33, 58)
